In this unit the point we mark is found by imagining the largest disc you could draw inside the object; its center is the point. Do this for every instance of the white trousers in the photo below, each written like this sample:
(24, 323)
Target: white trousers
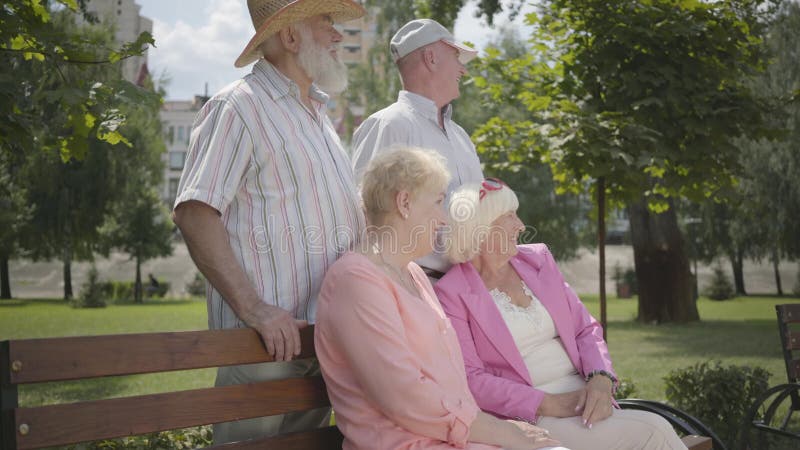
(626, 429)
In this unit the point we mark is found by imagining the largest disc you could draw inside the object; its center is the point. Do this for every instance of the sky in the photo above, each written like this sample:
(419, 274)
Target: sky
(197, 41)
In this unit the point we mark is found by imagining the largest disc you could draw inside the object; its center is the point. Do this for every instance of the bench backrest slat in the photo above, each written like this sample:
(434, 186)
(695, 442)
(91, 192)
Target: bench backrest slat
(793, 340)
(38, 360)
(789, 313)
(329, 438)
(103, 419)
(788, 318)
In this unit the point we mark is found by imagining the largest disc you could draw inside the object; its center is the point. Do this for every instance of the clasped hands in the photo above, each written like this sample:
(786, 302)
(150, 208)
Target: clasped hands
(593, 403)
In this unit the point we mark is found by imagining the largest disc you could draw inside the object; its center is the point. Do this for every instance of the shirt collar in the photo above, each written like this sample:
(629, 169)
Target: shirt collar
(424, 105)
(280, 85)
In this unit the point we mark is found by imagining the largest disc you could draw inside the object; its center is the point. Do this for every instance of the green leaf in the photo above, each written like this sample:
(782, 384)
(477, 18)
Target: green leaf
(71, 4)
(40, 10)
(113, 138)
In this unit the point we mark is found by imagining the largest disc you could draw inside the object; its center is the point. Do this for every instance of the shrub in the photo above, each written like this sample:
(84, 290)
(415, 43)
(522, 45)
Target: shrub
(123, 290)
(92, 294)
(625, 282)
(796, 289)
(718, 396)
(720, 287)
(197, 287)
(626, 389)
(630, 277)
(188, 438)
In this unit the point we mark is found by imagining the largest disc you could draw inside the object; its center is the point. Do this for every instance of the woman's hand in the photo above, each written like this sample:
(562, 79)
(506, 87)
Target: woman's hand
(527, 436)
(561, 405)
(596, 400)
(508, 434)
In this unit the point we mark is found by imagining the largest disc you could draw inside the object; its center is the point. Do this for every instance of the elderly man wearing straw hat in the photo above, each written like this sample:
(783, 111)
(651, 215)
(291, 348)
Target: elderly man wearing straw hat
(267, 201)
(431, 64)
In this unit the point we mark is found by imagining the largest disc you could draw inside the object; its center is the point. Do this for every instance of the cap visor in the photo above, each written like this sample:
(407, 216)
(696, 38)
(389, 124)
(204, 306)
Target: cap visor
(465, 54)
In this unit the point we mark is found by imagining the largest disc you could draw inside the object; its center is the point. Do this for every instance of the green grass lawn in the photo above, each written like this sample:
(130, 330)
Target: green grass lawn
(741, 331)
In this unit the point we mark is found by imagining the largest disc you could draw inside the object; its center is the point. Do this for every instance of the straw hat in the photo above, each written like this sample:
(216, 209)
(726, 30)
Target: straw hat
(269, 16)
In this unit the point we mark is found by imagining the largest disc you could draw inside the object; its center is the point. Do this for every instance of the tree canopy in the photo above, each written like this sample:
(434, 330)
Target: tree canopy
(648, 95)
(35, 43)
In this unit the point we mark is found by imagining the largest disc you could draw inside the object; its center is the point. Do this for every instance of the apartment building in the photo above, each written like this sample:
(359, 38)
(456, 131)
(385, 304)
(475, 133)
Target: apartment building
(177, 118)
(128, 24)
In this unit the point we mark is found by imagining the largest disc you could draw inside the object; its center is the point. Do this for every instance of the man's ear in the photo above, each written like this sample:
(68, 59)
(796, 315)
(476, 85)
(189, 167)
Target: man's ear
(429, 58)
(290, 38)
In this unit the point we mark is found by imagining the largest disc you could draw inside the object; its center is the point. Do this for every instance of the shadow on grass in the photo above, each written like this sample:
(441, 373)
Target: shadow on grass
(17, 302)
(73, 391)
(156, 302)
(711, 338)
(771, 296)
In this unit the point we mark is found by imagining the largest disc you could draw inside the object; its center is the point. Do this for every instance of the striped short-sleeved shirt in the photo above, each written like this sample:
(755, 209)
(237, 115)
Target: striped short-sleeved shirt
(282, 183)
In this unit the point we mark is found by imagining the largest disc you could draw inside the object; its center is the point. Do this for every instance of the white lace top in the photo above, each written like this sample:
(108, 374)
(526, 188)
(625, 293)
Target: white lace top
(538, 342)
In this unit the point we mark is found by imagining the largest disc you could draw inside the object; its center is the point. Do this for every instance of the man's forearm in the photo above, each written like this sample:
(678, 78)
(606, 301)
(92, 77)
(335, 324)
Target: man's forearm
(207, 241)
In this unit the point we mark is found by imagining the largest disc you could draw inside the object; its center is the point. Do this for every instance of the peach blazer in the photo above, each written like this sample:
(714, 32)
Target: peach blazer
(391, 361)
(497, 375)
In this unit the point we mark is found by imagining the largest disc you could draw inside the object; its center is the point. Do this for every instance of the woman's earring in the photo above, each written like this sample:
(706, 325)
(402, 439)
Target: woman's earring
(405, 215)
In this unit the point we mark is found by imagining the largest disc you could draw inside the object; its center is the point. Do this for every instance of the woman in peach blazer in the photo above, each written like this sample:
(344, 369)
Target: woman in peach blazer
(391, 361)
(531, 349)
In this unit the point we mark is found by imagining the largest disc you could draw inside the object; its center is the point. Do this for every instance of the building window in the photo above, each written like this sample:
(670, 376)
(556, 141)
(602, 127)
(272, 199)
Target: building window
(352, 31)
(176, 160)
(171, 135)
(180, 133)
(352, 48)
(173, 188)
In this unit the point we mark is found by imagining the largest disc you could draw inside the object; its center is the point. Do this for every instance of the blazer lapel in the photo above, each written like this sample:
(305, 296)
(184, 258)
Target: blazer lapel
(490, 321)
(548, 287)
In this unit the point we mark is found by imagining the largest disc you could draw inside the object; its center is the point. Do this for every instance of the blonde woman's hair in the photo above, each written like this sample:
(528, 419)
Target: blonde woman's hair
(471, 218)
(400, 168)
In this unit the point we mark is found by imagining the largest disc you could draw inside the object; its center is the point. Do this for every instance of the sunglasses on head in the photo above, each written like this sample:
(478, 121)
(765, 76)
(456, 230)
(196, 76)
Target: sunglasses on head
(488, 185)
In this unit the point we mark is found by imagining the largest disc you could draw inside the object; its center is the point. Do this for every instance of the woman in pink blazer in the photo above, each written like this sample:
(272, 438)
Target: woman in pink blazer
(531, 349)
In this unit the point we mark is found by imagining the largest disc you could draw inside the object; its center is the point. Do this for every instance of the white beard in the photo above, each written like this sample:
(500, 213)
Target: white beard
(328, 73)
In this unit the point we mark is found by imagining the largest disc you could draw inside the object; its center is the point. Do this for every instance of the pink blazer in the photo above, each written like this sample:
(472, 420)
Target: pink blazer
(496, 373)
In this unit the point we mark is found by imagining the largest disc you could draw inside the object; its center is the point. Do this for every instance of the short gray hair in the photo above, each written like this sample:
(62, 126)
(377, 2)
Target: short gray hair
(471, 217)
(400, 168)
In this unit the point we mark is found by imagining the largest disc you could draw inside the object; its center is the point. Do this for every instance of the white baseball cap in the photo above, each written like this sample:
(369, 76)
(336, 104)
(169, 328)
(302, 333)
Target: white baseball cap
(421, 32)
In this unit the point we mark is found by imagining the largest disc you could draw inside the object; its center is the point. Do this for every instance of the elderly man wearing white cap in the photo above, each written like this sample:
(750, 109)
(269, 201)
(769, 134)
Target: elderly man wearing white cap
(267, 199)
(431, 64)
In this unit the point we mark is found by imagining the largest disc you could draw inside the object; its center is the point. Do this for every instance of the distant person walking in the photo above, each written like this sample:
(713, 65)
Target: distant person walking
(267, 201)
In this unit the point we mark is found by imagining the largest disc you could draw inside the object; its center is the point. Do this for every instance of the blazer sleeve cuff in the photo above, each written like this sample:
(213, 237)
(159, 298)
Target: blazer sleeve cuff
(462, 414)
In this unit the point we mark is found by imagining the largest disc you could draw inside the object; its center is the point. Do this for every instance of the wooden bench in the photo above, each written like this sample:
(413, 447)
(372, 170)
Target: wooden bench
(59, 359)
(28, 361)
(772, 412)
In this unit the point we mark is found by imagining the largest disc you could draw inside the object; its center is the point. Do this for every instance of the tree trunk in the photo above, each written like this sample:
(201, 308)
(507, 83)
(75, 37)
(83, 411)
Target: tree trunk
(137, 285)
(737, 264)
(601, 243)
(67, 271)
(5, 280)
(662, 268)
(775, 262)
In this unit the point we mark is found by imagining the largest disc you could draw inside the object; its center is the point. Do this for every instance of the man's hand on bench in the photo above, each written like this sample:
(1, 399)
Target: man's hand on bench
(278, 329)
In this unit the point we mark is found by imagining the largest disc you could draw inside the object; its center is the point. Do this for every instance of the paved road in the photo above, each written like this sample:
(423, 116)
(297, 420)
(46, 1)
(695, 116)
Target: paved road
(44, 279)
